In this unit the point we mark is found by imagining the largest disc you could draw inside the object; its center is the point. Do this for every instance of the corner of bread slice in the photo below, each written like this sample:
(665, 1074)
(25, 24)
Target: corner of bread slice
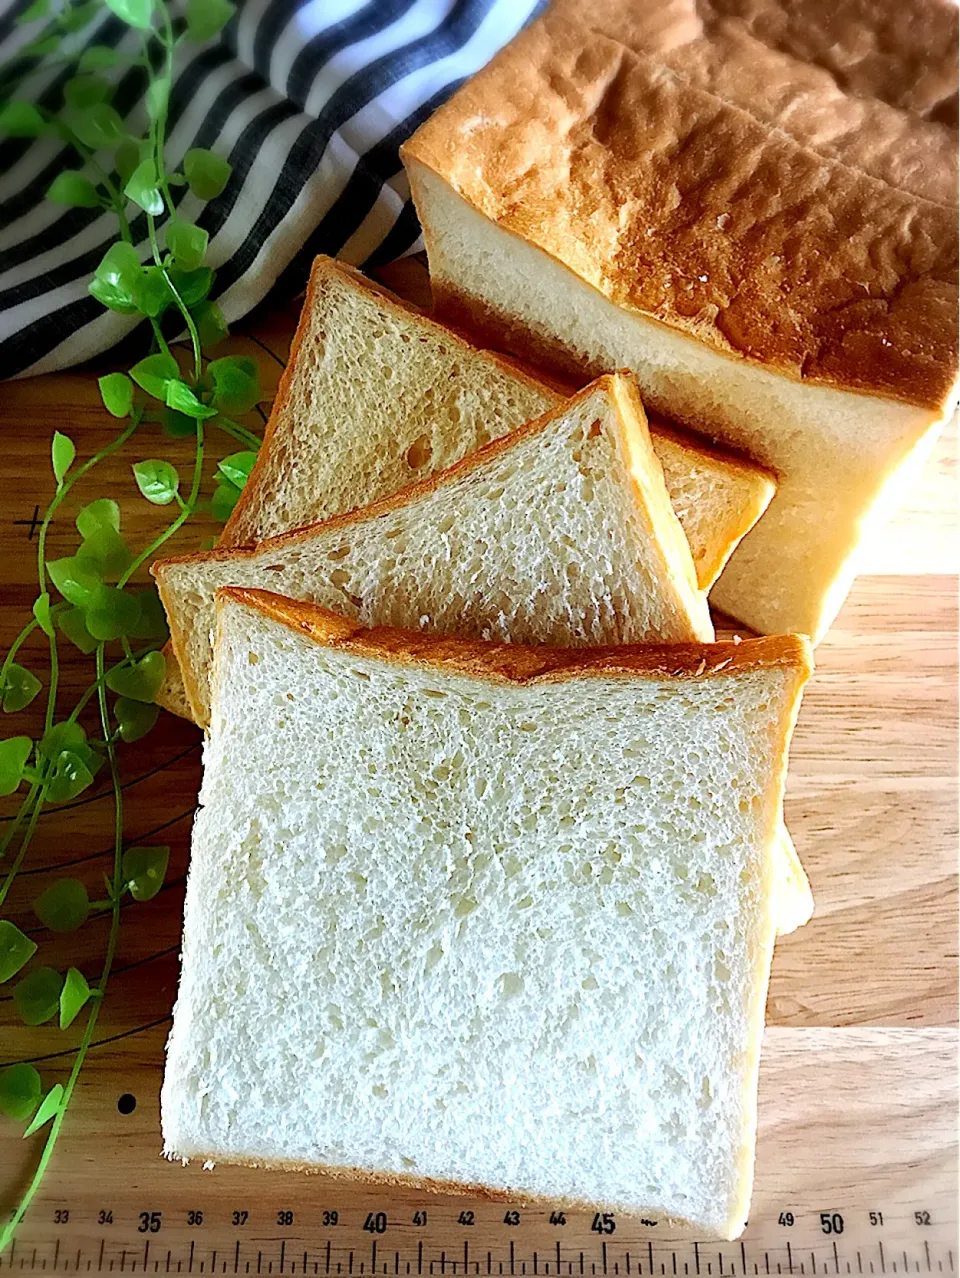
(172, 693)
(796, 896)
(678, 571)
(718, 494)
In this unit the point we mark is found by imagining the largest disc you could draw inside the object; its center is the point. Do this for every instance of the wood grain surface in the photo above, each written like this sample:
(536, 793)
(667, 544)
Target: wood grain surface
(858, 1095)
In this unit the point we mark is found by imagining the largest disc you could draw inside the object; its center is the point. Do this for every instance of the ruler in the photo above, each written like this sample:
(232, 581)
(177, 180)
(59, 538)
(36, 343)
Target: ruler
(427, 1236)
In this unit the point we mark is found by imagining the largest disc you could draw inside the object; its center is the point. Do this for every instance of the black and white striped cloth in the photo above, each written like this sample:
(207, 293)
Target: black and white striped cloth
(309, 100)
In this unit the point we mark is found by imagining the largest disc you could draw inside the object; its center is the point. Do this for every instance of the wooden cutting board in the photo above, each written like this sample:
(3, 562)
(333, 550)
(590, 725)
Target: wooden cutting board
(857, 1153)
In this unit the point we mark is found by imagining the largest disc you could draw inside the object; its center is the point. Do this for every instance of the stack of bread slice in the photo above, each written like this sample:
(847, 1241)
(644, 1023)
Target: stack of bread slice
(491, 857)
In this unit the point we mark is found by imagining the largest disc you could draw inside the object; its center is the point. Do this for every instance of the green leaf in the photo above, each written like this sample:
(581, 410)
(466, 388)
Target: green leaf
(79, 15)
(193, 286)
(63, 906)
(116, 391)
(139, 681)
(98, 125)
(19, 688)
(104, 553)
(181, 398)
(112, 613)
(236, 468)
(236, 383)
(16, 949)
(152, 622)
(62, 736)
(126, 158)
(142, 188)
(73, 190)
(153, 292)
(157, 480)
(102, 513)
(76, 581)
(85, 90)
(39, 9)
(157, 96)
(48, 1108)
(187, 243)
(153, 372)
(134, 718)
(20, 1089)
(116, 278)
(111, 297)
(40, 48)
(225, 497)
(73, 624)
(37, 996)
(75, 993)
(62, 452)
(178, 425)
(14, 753)
(98, 57)
(144, 870)
(206, 172)
(135, 13)
(21, 120)
(206, 18)
(41, 610)
(69, 776)
(211, 325)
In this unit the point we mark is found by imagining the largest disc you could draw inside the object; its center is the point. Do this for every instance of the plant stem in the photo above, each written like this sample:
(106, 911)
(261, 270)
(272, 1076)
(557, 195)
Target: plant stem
(180, 520)
(238, 432)
(17, 820)
(95, 1003)
(92, 690)
(15, 648)
(25, 844)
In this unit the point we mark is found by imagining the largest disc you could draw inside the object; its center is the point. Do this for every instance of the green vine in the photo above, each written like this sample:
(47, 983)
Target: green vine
(89, 598)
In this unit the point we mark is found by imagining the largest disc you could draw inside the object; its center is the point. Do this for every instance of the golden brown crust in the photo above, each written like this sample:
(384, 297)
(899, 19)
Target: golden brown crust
(758, 180)
(236, 531)
(515, 663)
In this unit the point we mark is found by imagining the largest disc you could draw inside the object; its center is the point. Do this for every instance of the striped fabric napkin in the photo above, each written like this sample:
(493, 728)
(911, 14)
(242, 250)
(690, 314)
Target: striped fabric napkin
(309, 100)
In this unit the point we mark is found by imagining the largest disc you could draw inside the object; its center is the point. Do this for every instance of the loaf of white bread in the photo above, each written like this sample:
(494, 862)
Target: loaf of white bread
(377, 397)
(750, 203)
(463, 914)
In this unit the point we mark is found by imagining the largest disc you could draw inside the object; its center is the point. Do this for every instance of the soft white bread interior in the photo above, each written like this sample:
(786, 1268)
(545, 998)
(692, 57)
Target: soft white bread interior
(561, 533)
(840, 458)
(377, 397)
(431, 878)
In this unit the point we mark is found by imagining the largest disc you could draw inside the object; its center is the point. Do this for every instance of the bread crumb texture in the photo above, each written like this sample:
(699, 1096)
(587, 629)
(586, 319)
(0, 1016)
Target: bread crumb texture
(515, 935)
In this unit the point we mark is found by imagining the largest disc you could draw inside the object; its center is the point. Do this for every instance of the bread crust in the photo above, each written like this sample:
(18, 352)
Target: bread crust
(714, 165)
(504, 663)
(425, 1184)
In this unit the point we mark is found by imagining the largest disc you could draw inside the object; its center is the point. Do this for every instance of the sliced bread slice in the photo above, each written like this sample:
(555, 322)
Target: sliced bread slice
(560, 533)
(468, 915)
(376, 397)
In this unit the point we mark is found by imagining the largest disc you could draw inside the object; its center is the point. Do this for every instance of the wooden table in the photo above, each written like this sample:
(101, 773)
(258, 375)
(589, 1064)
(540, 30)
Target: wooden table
(858, 1093)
